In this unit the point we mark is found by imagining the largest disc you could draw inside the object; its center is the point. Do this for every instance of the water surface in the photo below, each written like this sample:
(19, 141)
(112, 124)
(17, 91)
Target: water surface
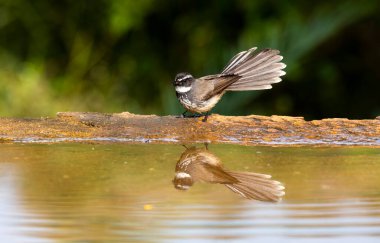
(124, 193)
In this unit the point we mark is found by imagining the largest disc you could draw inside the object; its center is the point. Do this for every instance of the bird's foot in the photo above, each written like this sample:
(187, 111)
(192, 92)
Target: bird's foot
(206, 116)
(194, 115)
(197, 115)
(206, 145)
(183, 115)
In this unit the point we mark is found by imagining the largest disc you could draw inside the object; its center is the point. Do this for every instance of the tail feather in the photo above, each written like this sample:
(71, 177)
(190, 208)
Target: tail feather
(237, 59)
(257, 63)
(262, 77)
(256, 71)
(250, 194)
(249, 87)
(242, 60)
(266, 183)
(259, 71)
(263, 80)
(256, 186)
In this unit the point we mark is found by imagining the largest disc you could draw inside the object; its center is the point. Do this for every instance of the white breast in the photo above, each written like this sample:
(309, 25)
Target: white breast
(200, 107)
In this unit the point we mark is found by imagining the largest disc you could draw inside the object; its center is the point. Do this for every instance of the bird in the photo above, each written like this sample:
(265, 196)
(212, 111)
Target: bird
(247, 70)
(199, 164)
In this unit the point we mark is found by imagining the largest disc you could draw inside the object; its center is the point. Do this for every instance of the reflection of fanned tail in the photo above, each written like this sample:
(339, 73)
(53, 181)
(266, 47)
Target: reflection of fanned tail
(256, 186)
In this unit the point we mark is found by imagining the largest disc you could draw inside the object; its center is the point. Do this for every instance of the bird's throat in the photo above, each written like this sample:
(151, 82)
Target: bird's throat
(182, 89)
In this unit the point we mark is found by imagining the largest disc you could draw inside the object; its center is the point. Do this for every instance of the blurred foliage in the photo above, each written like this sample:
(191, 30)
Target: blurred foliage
(114, 55)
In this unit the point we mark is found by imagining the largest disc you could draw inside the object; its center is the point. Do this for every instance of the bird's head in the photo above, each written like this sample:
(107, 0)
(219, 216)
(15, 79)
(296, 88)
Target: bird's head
(182, 181)
(182, 82)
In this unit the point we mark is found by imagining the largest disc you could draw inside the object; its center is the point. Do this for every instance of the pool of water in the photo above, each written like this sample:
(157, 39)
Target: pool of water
(125, 193)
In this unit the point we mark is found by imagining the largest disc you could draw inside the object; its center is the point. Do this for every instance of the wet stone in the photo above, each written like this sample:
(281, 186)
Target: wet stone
(245, 130)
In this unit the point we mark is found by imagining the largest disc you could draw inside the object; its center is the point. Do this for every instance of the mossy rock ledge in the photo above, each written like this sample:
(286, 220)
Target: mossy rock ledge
(246, 130)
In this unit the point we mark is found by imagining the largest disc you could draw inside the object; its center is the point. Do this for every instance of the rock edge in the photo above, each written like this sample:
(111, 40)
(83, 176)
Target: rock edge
(245, 130)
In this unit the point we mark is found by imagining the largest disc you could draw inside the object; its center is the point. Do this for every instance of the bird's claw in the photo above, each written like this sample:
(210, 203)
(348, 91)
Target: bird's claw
(195, 115)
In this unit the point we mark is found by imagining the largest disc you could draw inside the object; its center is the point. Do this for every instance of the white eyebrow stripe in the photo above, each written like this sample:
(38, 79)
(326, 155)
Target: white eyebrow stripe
(182, 175)
(182, 89)
(186, 77)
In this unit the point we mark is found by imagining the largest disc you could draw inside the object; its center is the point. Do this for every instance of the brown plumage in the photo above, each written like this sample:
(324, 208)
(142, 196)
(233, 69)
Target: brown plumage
(197, 164)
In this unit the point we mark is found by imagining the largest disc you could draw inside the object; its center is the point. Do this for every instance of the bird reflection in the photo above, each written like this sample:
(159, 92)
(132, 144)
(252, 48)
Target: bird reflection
(199, 164)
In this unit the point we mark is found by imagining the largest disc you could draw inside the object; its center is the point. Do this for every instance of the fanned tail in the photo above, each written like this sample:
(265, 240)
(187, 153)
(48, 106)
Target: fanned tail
(256, 70)
(256, 186)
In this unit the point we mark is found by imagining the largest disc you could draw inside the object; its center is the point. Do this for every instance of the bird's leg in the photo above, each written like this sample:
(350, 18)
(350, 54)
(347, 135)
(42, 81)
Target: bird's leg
(197, 115)
(206, 145)
(206, 116)
(183, 115)
(193, 115)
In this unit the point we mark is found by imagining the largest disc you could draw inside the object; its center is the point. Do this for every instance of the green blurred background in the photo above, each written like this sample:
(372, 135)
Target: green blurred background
(115, 55)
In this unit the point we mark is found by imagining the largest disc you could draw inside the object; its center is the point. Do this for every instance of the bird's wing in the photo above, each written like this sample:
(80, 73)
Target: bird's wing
(214, 84)
(216, 174)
